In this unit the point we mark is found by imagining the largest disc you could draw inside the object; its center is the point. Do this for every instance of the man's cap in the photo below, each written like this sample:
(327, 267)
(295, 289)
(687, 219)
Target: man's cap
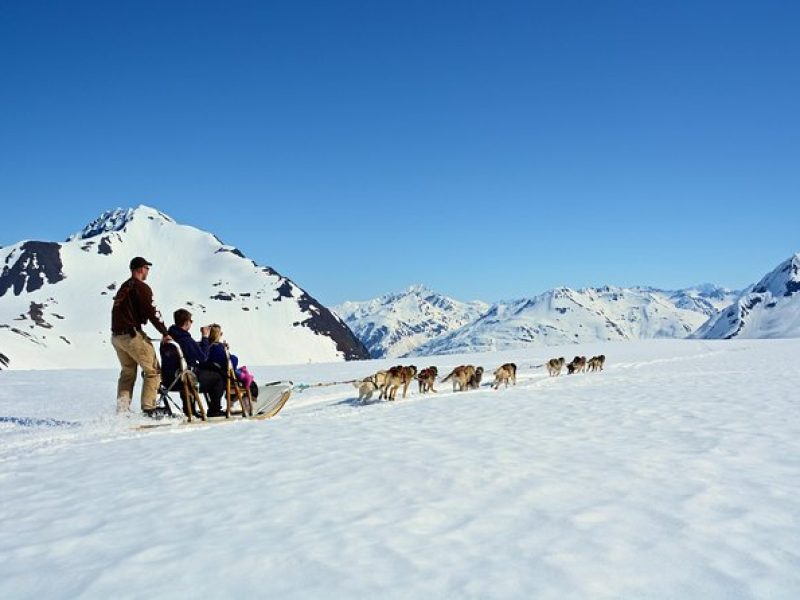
(139, 262)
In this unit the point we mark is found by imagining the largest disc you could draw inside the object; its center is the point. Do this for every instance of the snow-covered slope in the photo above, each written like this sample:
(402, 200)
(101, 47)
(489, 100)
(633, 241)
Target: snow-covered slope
(673, 474)
(55, 298)
(395, 324)
(769, 309)
(706, 298)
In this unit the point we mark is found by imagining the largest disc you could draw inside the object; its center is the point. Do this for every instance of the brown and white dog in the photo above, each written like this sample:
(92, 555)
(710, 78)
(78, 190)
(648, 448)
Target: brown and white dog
(380, 381)
(554, 366)
(426, 379)
(396, 377)
(461, 377)
(504, 374)
(596, 363)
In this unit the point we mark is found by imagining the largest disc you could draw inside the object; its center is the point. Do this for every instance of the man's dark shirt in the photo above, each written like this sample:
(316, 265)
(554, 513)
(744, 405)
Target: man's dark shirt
(133, 307)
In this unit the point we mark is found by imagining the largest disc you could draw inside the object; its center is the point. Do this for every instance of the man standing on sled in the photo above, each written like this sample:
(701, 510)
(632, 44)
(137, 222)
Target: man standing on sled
(133, 307)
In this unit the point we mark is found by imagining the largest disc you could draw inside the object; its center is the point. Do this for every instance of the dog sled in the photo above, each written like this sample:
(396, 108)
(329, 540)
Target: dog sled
(265, 404)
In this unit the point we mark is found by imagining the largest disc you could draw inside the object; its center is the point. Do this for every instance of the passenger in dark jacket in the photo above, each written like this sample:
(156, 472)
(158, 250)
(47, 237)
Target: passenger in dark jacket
(209, 377)
(218, 350)
(218, 355)
(195, 353)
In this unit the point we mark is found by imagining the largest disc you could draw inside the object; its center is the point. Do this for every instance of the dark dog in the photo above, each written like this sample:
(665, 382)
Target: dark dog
(577, 365)
(426, 379)
(475, 381)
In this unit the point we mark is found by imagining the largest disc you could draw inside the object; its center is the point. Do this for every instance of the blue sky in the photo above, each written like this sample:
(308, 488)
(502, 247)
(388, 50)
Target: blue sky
(486, 149)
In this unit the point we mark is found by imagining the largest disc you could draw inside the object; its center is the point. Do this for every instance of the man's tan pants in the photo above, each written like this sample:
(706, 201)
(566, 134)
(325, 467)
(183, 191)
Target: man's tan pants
(134, 351)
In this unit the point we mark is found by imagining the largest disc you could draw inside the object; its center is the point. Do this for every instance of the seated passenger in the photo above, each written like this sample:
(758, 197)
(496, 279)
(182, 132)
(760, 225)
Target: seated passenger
(218, 354)
(211, 381)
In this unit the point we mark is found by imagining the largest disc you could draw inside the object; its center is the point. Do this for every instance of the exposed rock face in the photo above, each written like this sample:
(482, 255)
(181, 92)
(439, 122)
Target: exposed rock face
(29, 266)
(324, 322)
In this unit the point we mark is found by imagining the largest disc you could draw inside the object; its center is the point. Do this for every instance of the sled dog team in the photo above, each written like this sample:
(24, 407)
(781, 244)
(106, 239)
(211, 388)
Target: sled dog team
(579, 364)
(464, 377)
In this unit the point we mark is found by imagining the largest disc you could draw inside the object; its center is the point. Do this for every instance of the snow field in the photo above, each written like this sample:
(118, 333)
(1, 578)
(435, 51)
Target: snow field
(674, 473)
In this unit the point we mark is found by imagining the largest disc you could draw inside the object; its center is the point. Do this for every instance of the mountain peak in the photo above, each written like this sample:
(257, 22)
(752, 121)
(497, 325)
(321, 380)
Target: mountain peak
(55, 297)
(117, 219)
(769, 309)
(783, 281)
(396, 323)
(417, 288)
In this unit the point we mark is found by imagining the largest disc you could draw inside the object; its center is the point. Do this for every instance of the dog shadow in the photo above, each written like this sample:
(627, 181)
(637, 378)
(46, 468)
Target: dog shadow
(356, 402)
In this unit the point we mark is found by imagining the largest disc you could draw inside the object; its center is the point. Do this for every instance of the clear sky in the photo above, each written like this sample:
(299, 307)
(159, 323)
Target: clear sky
(489, 150)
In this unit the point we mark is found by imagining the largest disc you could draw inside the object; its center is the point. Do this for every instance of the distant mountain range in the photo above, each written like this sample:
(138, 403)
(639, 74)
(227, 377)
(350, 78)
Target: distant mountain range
(55, 297)
(419, 322)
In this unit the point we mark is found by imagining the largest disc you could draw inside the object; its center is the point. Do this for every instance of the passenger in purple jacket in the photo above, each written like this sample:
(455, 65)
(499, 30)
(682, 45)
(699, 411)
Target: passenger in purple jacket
(209, 376)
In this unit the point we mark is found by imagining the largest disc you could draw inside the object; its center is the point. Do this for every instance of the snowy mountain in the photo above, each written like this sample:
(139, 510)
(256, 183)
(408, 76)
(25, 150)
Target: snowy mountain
(406, 324)
(395, 324)
(769, 309)
(706, 298)
(55, 298)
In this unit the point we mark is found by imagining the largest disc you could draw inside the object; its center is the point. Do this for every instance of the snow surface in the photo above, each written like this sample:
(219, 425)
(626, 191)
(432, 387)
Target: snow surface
(675, 473)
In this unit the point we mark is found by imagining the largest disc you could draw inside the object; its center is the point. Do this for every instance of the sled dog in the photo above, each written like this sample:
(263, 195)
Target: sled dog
(426, 379)
(577, 365)
(461, 376)
(504, 374)
(379, 379)
(366, 387)
(396, 377)
(554, 366)
(474, 382)
(596, 363)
